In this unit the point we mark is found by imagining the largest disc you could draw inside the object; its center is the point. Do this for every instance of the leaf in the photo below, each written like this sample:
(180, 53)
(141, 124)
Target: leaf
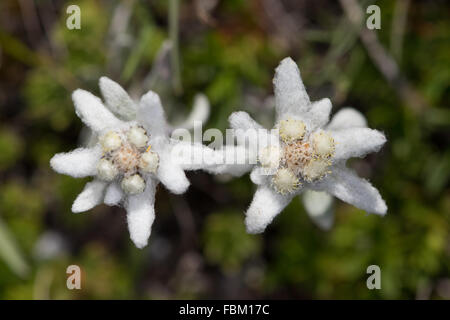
(10, 253)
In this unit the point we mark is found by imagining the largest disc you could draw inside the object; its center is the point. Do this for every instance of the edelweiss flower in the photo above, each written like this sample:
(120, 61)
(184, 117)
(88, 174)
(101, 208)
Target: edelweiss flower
(132, 154)
(319, 204)
(308, 154)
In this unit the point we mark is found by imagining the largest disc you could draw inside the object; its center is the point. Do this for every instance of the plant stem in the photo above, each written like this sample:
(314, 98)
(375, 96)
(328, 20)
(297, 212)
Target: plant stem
(173, 34)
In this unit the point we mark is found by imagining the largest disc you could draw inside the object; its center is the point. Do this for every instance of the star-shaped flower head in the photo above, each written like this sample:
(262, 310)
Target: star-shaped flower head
(319, 204)
(132, 154)
(307, 154)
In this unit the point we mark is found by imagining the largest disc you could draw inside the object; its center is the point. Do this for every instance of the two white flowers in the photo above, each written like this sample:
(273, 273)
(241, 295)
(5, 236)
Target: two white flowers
(134, 152)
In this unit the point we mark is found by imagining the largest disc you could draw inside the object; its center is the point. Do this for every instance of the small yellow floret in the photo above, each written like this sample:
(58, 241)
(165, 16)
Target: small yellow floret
(292, 129)
(110, 141)
(323, 144)
(133, 184)
(106, 170)
(270, 157)
(137, 136)
(285, 181)
(149, 162)
(316, 169)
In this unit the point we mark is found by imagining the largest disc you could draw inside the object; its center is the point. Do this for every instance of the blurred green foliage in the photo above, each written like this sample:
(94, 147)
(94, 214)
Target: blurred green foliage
(226, 243)
(232, 61)
(12, 147)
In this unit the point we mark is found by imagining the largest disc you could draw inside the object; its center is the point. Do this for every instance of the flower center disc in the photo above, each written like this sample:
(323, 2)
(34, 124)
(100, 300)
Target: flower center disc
(297, 155)
(126, 158)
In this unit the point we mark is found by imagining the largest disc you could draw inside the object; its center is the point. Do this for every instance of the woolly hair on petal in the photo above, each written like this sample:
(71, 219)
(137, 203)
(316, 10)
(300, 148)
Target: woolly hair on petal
(141, 214)
(232, 167)
(114, 194)
(319, 114)
(172, 176)
(356, 142)
(195, 156)
(237, 161)
(78, 163)
(91, 196)
(258, 176)
(117, 99)
(242, 120)
(252, 132)
(319, 207)
(290, 93)
(345, 184)
(92, 112)
(265, 206)
(347, 118)
(151, 113)
(234, 170)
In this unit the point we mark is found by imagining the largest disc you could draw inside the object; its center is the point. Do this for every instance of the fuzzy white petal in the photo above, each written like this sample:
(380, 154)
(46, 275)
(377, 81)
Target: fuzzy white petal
(235, 170)
(117, 99)
(79, 163)
(319, 114)
(319, 206)
(92, 112)
(242, 120)
(114, 194)
(236, 161)
(347, 118)
(171, 174)
(91, 196)
(266, 204)
(195, 156)
(141, 214)
(151, 113)
(344, 184)
(258, 176)
(356, 142)
(251, 134)
(290, 93)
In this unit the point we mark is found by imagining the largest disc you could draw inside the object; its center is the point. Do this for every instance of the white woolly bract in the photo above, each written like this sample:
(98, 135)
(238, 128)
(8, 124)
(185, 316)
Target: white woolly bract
(124, 159)
(91, 196)
(290, 93)
(114, 194)
(266, 204)
(92, 112)
(151, 113)
(319, 206)
(117, 99)
(318, 160)
(344, 184)
(78, 163)
(141, 214)
(356, 142)
(347, 118)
